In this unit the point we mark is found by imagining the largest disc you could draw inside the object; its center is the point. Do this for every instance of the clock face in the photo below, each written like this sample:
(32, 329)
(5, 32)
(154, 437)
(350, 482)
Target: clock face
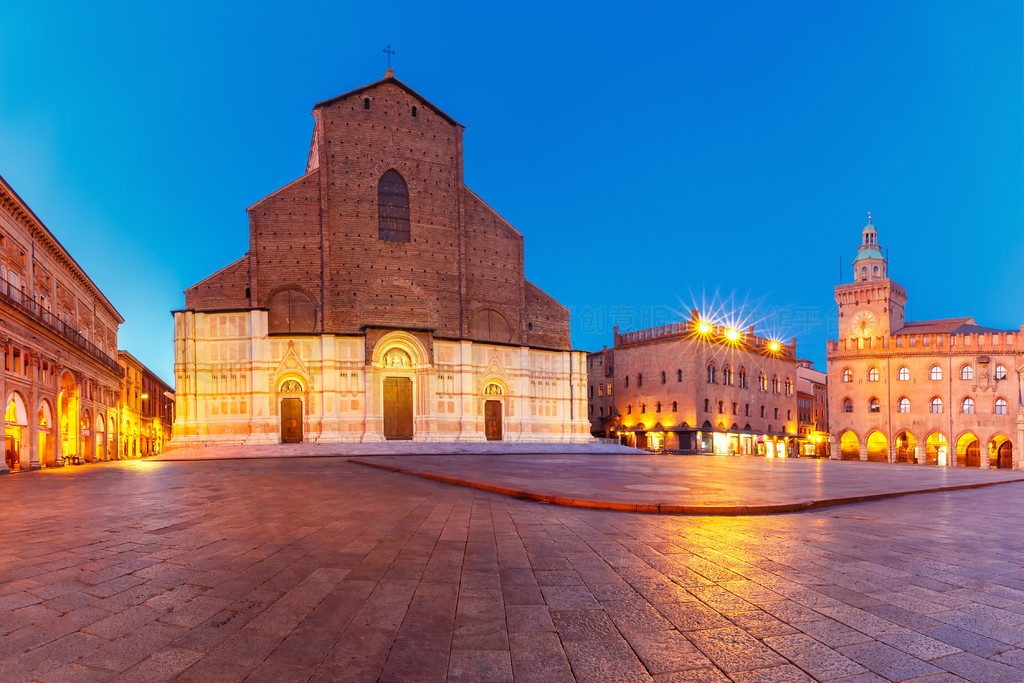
(863, 323)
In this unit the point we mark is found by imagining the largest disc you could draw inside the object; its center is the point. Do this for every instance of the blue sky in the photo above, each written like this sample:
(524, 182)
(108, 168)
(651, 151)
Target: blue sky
(655, 157)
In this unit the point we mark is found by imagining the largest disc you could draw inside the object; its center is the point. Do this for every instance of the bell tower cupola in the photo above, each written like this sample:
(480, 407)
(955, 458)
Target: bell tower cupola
(870, 264)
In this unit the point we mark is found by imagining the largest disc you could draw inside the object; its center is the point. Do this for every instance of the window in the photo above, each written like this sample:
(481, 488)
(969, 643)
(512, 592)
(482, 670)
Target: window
(903, 373)
(968, 406)
(662, 376)
(775, 385)
(847, 375)
(776, 413)
(675, 406)
(600, 390)
(711, 373)
(392, 208)
(743, 378)
(609, 389)
(1000, 406)
(657, 407)
(903, 406)
(626, 381)
(762, 411)
(707, 405)
(727, 376)
(967, 372)
(1000, 372)
(639, 380)
(679, 375)
(789, 387)
(873, 374)
(746, 410)
(936, 405)
(935, 373)
(762, 382)
(366, 103)
(789, 414)
(874, 406)
(629, 409)
(847, 405)
(414, 112)
(721, 406)
(734, 407)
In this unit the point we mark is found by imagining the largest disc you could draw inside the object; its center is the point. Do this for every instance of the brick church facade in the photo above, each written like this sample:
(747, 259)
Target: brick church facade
(380, 299)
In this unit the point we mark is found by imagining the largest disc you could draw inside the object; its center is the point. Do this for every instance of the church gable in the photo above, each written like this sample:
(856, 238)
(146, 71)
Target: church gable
(225, 289)
(370, 91)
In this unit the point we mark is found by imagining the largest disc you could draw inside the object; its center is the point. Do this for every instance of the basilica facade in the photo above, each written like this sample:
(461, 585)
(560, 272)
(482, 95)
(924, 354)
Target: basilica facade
(933, 392)
(380, 299)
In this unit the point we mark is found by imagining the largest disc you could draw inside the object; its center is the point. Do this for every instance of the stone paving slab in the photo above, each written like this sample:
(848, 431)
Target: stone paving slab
(319, 570)
(701, 485)
(314, 450)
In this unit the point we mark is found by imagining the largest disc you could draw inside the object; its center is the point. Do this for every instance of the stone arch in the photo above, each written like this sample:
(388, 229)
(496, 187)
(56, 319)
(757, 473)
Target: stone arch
(100, 434)
(400, 340)
(15, 431)
(849, 445)
(291, 310)
(968, 450)
(45, 429)
(489, 324)
(85, 435)
(906, 448)
(936, 449)
(1000, 452)
(878, 447)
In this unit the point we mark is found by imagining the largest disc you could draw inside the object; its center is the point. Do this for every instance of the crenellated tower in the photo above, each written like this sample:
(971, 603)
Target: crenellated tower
(872, 305)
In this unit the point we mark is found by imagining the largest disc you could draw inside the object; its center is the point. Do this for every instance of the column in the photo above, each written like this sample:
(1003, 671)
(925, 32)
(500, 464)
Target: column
(4, 469)
(33, 413)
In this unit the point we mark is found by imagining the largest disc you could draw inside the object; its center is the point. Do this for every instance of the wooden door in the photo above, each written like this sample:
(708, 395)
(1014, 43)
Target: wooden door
(291, 420)
(397, 408)
(492, 420)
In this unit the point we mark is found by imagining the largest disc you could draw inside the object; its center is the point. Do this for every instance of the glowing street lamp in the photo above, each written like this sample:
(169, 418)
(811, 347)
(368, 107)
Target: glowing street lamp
(732, 335)
(774, 346)
(704, 327)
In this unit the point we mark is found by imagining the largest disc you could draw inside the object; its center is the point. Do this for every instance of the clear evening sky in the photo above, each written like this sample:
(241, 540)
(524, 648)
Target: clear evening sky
(723, 154)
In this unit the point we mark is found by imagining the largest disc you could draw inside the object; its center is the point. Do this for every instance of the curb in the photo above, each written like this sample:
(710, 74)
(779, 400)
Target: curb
(700, 510)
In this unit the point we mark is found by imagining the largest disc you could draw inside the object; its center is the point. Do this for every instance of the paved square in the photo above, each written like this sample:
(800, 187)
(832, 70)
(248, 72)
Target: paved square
(321, 569)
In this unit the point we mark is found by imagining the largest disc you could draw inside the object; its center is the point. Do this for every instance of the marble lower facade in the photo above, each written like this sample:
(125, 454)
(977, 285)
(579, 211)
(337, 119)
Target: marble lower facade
(235, 383)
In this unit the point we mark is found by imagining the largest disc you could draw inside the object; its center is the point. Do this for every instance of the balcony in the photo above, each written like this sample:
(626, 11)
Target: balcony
(12, 296)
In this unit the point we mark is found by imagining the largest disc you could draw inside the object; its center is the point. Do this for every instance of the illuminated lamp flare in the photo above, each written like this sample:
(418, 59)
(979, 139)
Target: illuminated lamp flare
(774, 346)
(732, 335)
(704, 327)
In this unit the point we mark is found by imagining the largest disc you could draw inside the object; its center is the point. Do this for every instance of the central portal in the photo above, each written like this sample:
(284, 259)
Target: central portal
(291, 420)
(492, 420)
(397, 408)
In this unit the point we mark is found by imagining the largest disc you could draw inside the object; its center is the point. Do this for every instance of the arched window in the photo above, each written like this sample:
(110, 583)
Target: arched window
(1000, 372)
(935, 373)
(629, 409)
(847, 406)
(366, 103)
(639, 379)
(743, 378)
(968, 406)
(679, 375)
(876, 271)
(904, 405)
(675, 406)
(662, 376)
(873, 374)
(847, 375)
(414, 112)
(721, 406)
(789, 387)
(1000, 406)
(775, 384)
(967, 372)
(711, 373)
(392, 208)
(864, 273)
(936, 405)
(643, 407)
(727, 375)
(762, 382)
(903, 373)
(874, 406)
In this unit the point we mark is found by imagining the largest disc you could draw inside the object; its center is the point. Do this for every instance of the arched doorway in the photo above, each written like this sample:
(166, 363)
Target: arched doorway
(968, 452)
(15, 431)
(849, 446)
(101, 439)
(86, 435)
(291, 392)
(67, 403)
(44, 421)
(1000, 453)
(397, 394)
(906, 448)
(936, 450)
(878, 447)
(493, 412)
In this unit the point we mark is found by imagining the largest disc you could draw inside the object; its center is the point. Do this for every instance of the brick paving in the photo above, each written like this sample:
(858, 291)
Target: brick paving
(321, 569)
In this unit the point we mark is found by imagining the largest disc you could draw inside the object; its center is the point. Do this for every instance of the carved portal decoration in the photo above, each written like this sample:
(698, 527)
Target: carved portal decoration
(397, 358)
(492, 390)
(291, 386)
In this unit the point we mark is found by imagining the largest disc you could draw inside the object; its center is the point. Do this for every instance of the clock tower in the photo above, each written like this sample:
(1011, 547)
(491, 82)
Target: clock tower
(872, 305)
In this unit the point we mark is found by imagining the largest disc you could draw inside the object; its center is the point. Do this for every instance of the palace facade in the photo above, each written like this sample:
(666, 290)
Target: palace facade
(60, 378)
(146, 409)
(380, 299)
(696, 387)
(934, 392)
